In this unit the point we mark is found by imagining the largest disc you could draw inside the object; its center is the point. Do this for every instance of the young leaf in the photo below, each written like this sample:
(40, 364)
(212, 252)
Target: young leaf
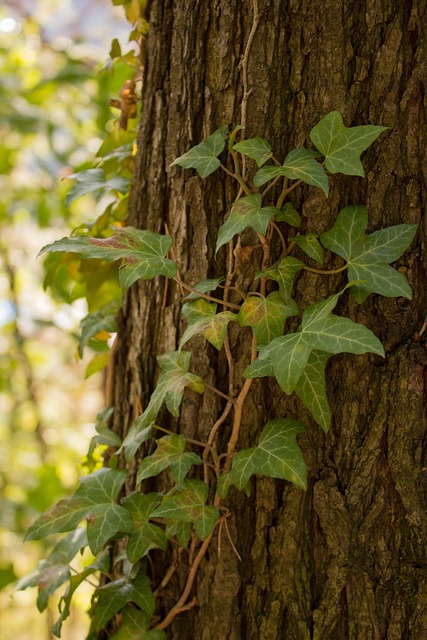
(311, 388)
(115, 595)
(94, 501)
(188, 505)
(94, 181)
(202, 318)
(142, 253)
(102, 320)
(53, 571)
(276, 456)
(135, 626)
(299, 164)
(169, 453)
(102, 563)
(144, 536)
(266, 316)
(343, 145)
(284, 274)
(289, 214)
(256, 148)
(368, 256)
(246, 212)
(310, 245)
(320, 331)
(204, 156)
(170, 388)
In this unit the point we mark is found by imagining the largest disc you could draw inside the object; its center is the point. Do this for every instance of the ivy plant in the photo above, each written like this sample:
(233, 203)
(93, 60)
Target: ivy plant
(200, 475)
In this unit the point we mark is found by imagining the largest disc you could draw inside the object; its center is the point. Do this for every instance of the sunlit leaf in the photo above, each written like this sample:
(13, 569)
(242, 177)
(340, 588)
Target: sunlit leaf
(142, 253)
(93, 501)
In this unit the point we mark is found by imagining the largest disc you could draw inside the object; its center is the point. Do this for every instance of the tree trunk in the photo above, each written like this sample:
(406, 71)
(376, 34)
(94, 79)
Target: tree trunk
(346, 559)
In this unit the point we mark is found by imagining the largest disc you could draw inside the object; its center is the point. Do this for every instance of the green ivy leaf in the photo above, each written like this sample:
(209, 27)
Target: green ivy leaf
(311, 389)
(368, 256)
(289, 214)
(204, 156)
(266, 316)
(179, 530)
(202, 317)
(320, 331)
(105, 319)
(256, 148)
(188, 505)
(94, 181)
(135, 626)
(276, 456)
(102, 563)
(343, 145)
(246, 212)
(284, 274)
(310, 245)
(142, 253)
(145, 536)
(170, 388)
(115, 595)
(94, 501)
(53, 571)
(299, 164)
(169, 453)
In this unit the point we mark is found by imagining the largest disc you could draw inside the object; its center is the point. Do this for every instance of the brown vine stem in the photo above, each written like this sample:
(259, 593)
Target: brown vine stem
(206, 296)
(180, 605)
(280, 234)
(326, 272)
(172, 433)
(245, 81)
(219, 393)
(212, 436)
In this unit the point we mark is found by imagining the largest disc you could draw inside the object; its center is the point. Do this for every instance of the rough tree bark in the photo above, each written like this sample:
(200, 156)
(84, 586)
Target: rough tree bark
(345, 560)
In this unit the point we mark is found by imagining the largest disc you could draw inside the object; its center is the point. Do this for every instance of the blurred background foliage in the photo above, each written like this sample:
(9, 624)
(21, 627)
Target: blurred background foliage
(61, 64)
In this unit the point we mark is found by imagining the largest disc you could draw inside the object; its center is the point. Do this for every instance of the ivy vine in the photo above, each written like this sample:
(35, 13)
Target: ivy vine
(192, 508)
